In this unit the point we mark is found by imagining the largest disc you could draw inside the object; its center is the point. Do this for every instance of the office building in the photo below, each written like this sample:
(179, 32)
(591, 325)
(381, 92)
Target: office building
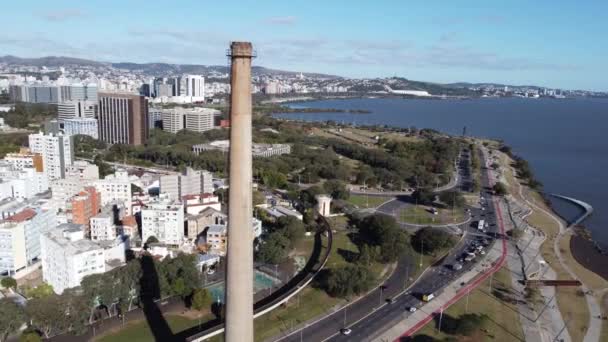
(76, 110)
(173, 120)
(67, 257)
(155, 118)
(82, 126)
(123, 118)
(56, 150)
(195, 88)
(192, 119)
(79, 92)
(20, 237)
(191, 182)
(35, 93)
(164, 219)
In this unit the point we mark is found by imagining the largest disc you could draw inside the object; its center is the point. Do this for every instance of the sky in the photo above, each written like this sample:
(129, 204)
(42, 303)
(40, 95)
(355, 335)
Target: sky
(555, 43)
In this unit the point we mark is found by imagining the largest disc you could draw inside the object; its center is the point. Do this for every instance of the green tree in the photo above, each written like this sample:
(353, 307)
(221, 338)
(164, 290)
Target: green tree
(383, 232)
(31, 336)
(151, 239)
(9, 282)
(274, 249)
(104, 168)
(41, 291)
(11, 318)
(348, 280)
(430, 240)
(499, 189)
(258, 197)
(453, 199)
(201, 299)
(336, 189)
(423, 196)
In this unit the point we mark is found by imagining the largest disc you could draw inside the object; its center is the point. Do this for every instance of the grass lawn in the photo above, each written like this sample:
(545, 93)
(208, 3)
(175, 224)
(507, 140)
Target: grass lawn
(363, 201)
(138, 330)
(421, 215)
(503, 323)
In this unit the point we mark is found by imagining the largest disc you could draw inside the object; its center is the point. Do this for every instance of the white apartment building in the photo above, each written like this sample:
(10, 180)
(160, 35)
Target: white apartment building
(216, 236)
(64, 189)
(67, 257)
(20, 237)
(82, 170)
(196, 204)
(22, 183)
(56, 150)
(82, 126)
(191, 182)
(76, 110)
(24, 160)
(201, 119)
(115, 188)
(163, 219)
(102, 227)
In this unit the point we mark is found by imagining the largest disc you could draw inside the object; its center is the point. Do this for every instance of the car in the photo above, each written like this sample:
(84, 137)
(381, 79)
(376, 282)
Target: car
(345, 331)
(456, 267)
(211, 271)
(482, 252)
(412, 309)
(391, 300)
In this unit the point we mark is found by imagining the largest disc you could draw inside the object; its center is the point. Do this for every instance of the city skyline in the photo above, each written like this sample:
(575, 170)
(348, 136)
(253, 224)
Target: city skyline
(509, 43)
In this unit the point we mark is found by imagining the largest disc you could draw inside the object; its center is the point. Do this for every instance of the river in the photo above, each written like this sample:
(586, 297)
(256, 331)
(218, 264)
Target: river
(564, 140)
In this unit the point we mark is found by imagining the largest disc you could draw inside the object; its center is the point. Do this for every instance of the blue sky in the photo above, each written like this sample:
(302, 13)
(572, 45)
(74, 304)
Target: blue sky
(551, 43)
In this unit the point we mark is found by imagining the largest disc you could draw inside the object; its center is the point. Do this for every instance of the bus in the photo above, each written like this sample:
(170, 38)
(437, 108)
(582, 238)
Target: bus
(481, 224)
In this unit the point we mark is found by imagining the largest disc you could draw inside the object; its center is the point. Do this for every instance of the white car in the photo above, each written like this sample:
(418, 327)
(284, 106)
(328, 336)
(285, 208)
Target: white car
(412, 309)
(345, 331)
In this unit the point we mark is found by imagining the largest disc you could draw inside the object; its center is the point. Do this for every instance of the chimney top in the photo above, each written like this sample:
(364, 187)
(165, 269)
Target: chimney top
(241, 49)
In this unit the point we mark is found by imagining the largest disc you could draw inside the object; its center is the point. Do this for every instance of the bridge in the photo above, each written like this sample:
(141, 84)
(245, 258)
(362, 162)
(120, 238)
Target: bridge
(585, 206)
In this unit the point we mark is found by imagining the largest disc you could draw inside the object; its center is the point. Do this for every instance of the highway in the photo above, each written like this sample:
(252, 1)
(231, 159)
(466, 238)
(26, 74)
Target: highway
(373, 312)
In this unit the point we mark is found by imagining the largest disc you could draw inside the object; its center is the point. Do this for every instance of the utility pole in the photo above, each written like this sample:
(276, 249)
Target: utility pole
(440, 318)
(466, 306)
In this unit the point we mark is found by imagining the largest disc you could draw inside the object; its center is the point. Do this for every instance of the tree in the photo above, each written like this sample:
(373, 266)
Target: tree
(499, 189)
(430, 240)
(336, 189)
(292, 228)
(258, 197)
(104, 168)
(423, 196)
(47, 314)
(273, 250)
(11, 318)
(469, 323)
(201, 299)
(151, 239)
(452, 199)
(383, 232)
(9, 283)
(31, 336)
(41, 291)
(348, 280)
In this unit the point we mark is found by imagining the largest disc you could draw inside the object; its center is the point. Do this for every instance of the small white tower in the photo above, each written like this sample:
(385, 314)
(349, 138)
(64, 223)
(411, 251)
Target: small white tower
(323, 205)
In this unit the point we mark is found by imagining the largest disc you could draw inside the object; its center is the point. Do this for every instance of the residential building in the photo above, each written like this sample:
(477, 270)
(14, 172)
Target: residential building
(82, 170)
(173, 120)
(76, 110)
(192, 119)
(82, 126)
(67, 257)
(56, 150)
(216, 236)
(115, 188)
(123, 118)
(196, 224)
(20, 232)
(85, 205)
(195, 204)
(79, 92)
(24, 182)
(64, 189)
(103, 227)
(164, 219)
(25, 159)
(191, 182)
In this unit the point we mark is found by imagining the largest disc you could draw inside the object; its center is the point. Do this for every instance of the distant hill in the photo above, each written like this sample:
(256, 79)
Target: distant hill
(155, 69)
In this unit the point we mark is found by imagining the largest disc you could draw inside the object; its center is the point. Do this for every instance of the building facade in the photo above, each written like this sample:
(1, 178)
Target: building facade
(123, 118)
(56, 150)
(163, 219)
(191, 182)
(76, 110)
(115, 188)
(83, 126)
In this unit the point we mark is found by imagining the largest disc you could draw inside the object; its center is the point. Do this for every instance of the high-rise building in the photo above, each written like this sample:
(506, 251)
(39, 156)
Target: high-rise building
(191, 182)
(163, 219)
(155, 118)
(79, 92)
(76, 110)
(123, 118)
(195, 88)
(57, 152)
(81, 126)
(192, 119)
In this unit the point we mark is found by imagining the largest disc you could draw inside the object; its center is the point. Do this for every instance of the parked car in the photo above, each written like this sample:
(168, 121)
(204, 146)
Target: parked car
(345, 331)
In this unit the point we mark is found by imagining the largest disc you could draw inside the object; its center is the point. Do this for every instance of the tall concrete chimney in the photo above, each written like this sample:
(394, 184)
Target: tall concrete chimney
(239, 275)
